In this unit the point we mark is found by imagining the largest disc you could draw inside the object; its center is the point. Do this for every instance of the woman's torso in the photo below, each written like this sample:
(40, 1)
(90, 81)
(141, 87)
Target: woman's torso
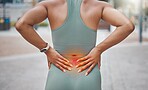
(73, 39)
(74, 25)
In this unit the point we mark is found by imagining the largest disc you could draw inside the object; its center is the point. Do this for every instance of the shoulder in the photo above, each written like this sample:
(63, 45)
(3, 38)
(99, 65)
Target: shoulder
(102, 4)
(50, 3)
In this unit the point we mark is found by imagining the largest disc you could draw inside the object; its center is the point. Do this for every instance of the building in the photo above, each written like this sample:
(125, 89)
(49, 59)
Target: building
(15, 8)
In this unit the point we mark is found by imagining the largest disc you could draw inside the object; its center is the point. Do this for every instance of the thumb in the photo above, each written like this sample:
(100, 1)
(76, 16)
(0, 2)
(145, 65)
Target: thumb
(49, 64)
(99, 64)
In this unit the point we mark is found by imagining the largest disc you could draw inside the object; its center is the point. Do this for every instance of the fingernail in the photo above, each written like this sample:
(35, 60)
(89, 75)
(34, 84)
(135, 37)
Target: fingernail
(70, 64)
(76, 66)
(79, 70)
(86, 74)
(69, 68)
(64, 70)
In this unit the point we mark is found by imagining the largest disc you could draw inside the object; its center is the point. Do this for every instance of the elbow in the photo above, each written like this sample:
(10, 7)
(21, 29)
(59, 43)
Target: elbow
(130, 26)
(20, 25)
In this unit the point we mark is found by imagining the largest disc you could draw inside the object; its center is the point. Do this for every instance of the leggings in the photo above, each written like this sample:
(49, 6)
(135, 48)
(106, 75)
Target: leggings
(70, 80)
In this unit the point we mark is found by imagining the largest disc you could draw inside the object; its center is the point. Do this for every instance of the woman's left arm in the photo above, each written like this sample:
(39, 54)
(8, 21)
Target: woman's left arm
(124, 27)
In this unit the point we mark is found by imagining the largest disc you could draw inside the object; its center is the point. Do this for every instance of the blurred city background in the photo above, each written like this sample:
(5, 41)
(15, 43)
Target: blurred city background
(23, 67)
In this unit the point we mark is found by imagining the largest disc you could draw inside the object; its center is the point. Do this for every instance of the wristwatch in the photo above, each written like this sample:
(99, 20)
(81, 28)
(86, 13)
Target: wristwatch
(46, 48)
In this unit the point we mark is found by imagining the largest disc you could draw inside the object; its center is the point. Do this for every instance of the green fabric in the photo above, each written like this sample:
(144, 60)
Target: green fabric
(58, 80)
(73, 36)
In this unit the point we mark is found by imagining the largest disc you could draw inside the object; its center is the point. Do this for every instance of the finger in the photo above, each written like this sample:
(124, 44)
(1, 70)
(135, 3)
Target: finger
(83, 63)
(64, 62)
(90, 69)
(83, 58)
(99, 65)
(85, 67)
(61, 68)
(64, 58)
(61, 64)
(49, 64)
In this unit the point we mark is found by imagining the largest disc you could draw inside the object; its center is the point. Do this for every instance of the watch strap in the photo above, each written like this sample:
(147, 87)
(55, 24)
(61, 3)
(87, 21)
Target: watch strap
(46, 48)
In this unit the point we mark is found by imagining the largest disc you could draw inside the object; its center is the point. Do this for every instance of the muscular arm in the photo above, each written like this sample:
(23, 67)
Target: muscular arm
(123, 27)
(25, 25)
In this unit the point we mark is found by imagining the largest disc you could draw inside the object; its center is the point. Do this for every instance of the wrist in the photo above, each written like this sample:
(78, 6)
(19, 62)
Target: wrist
(48, 51)
(45, 48)
(100, 51)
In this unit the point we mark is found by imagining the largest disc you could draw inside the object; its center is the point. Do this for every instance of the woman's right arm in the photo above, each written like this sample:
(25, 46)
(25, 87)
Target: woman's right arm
(25, 27)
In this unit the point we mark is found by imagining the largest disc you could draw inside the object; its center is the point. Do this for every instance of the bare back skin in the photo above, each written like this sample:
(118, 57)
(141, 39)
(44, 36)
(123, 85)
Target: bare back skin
(58, 12)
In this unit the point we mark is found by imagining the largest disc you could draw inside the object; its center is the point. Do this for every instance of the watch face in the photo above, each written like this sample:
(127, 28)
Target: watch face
(44, 50)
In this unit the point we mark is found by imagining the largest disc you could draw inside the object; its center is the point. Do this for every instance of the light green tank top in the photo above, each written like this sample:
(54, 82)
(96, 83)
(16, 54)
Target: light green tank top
(73, 36)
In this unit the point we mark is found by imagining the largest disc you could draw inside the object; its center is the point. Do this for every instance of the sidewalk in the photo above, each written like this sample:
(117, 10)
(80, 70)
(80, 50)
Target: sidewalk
(12, 43)
(124, 66)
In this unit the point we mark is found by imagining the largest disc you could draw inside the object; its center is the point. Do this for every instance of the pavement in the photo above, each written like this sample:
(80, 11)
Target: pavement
(125, 67)
(12, 43)
(23, 67)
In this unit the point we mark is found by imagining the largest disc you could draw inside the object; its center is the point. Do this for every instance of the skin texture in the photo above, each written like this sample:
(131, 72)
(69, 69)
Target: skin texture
(91, 12)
